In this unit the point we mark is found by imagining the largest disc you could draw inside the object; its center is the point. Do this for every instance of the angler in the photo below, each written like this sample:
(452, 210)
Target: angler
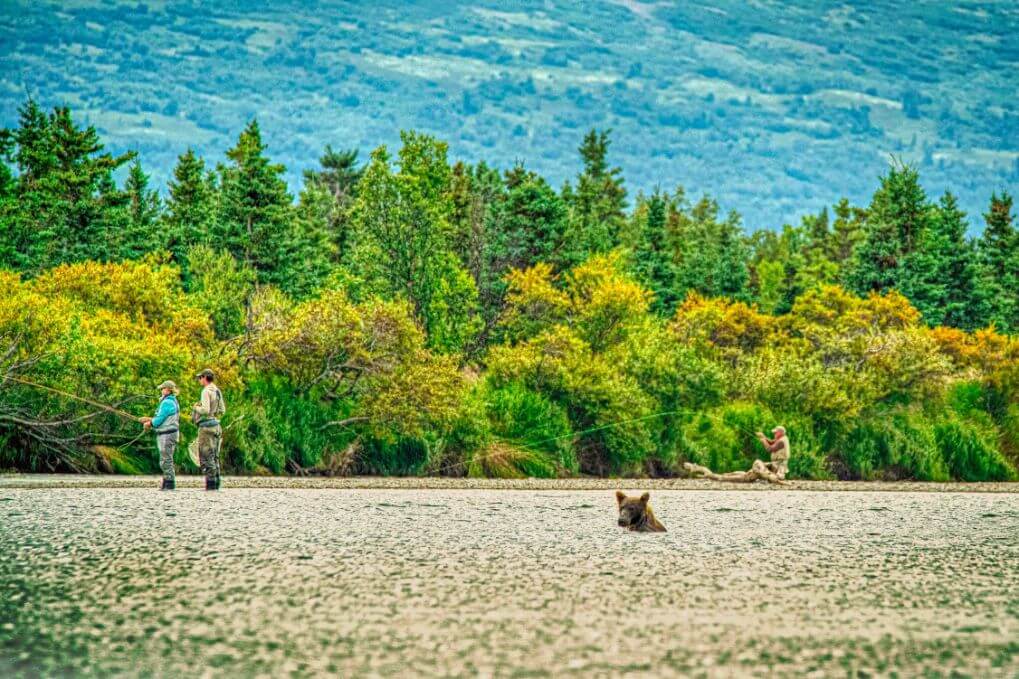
(206, 414)
(773, 471)
(166, 424)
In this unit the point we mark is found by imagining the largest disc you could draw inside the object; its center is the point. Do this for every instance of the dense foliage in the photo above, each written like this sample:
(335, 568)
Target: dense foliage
(414, 316)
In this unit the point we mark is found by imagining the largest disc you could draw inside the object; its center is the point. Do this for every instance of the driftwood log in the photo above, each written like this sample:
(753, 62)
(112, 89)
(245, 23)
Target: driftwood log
(758, 472)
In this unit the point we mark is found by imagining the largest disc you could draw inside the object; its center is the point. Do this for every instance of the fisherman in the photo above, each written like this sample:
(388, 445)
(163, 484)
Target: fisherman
(206, 414)
(779, 449)
(166, 424)
(773, 471)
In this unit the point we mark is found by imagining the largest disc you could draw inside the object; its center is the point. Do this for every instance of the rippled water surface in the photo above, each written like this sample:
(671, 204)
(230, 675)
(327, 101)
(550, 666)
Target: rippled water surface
(276, 582)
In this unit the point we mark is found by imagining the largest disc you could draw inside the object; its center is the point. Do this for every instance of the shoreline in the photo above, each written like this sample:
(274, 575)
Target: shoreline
(17, 481)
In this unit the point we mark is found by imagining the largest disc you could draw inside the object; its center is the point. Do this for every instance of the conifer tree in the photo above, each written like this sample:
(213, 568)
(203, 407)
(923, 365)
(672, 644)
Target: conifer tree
(940, 276)
(532, 221)
(338, 178)
(654, 258)
(998, 250)
(142, 233)
(998, 242)
(314, 246)
(712, 254)
(897, 219)
(64, 205)
(846, 232)
(191, 209)
(597, 204)
(257, 222)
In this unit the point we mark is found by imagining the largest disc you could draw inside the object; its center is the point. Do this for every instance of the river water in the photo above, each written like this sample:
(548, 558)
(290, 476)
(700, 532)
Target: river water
(294, 582)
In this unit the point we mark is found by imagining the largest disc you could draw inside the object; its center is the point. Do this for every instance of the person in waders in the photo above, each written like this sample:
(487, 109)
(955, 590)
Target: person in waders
(166, 424)
(206, 414)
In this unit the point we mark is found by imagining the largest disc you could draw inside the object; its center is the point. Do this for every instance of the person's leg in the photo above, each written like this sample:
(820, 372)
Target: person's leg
(215, 455)
(763, 470)
(207, 456)
(167, 445)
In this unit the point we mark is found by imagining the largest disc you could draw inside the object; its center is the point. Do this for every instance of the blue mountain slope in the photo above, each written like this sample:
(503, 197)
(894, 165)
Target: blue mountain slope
(775, 108)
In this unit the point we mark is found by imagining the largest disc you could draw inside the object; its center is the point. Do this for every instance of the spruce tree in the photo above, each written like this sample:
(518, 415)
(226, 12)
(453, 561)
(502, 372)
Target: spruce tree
(654, 259)
(998, 250)
(190, 210)
(257, 222)
(338, 177)
(940, 275)
(142, 233)
(846, 233)
(531, 221)
(598, 203)
(712, 254)
(897, 219)
(64, 206)
(998, 242)
(313, 246)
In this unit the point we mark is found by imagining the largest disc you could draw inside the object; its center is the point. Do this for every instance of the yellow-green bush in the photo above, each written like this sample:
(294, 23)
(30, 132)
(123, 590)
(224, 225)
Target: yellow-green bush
(586, 379)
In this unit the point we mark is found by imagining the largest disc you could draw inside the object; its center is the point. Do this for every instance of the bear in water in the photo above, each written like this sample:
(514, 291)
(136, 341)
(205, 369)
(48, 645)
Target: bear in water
(635, 514)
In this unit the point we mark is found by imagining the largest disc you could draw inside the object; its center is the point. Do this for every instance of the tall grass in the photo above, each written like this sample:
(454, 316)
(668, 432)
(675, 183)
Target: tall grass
(524, 421)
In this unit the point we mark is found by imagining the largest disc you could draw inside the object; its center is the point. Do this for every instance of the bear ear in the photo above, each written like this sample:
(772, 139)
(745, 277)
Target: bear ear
(644, 498)
(620, 496)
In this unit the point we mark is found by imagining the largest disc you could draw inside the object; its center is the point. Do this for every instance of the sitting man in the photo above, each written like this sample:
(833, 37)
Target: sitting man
(773, 471)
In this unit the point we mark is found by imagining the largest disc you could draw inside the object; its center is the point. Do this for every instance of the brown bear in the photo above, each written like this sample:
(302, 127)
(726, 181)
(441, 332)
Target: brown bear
(635, 514)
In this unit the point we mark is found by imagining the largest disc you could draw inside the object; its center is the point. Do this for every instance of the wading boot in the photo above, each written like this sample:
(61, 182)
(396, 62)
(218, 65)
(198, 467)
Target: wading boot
(211, 484)
(168, 484)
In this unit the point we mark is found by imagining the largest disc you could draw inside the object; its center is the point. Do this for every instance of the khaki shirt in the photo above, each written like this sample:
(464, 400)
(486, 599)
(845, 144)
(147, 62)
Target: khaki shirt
(779, 449)
(211, 405)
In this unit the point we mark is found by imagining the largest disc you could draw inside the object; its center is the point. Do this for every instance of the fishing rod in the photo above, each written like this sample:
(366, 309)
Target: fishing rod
(94, 404)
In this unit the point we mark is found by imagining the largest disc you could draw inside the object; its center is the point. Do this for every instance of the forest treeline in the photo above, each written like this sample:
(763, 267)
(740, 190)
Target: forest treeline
(406, 315)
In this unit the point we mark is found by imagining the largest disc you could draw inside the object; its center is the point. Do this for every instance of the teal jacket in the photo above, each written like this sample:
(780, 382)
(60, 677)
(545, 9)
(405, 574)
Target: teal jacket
(167, 418)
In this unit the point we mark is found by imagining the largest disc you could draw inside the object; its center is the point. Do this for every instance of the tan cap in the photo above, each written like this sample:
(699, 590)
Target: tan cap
(206, 373)
(778, 429)
(169, 384)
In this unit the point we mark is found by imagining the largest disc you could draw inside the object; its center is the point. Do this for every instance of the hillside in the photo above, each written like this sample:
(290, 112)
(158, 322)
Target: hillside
(775, 108)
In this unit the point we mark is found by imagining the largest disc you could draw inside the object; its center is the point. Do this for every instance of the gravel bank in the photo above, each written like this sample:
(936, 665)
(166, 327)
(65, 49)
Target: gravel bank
(387, 582)
(445, 483)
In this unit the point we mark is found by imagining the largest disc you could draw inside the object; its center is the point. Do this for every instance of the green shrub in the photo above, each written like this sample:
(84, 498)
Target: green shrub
(809, 458)
(1008, 440)
(966, 397)
(529, 421)
(970, 453)
(503, 461)
(268, 424)
(894, 445)
(403, 457)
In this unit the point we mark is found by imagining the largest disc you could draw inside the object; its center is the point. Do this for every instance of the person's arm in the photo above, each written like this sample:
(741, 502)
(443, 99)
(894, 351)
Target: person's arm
(772, 446)
(164, 411)
(204, 405)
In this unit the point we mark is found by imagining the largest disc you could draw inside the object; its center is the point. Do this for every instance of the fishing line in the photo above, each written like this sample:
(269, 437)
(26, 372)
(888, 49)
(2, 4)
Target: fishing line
(529, 445)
